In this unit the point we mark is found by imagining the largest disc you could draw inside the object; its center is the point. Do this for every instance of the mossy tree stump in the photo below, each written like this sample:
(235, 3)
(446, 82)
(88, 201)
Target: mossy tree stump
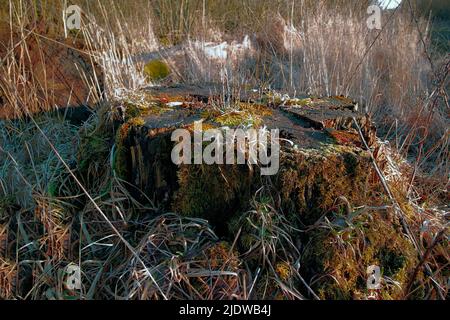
(322, 162)
(327, 159)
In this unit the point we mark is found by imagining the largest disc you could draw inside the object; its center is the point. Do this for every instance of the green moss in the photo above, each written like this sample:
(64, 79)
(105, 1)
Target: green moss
(136, 122)
(132, 111)
(52, 189)
(391, 261)
(339, 257)
(93, 153)
(247, 114)
(310, 182)
(140, 110)
(235, 119)
(96, 139)
(212, 192)
(156, 70)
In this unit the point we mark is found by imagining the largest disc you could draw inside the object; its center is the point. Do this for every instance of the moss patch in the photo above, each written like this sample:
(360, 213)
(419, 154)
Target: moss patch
(247, 114)
(310, 182)
(212, 192)
(156, 70)
(93, 153)
(339, 257)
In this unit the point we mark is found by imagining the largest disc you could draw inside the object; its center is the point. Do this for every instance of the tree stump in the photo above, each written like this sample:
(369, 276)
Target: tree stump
(321, 158)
